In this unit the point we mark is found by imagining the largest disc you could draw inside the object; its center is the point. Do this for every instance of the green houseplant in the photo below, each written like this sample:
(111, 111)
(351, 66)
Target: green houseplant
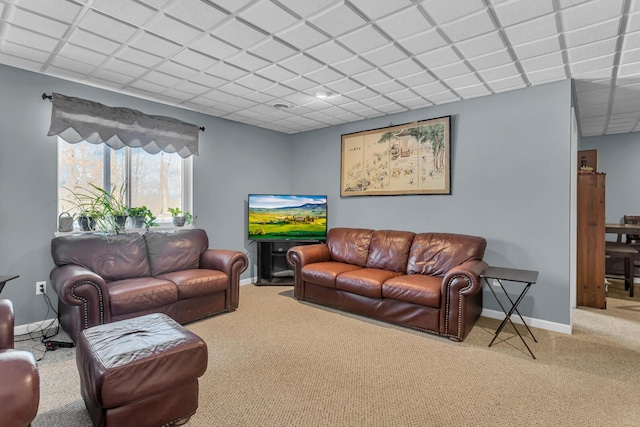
(100, 209)
(142, 217)
(180, 218)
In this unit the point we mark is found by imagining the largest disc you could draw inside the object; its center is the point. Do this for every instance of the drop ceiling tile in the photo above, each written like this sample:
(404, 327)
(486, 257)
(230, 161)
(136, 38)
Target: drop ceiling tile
(244, 103)
(71, 65)
(112, 76)
(276, 73)
(147, 86)
(266, 15)
(535, 29)
(353, 65)
(247, 61)
(404, 23)
(37, 23)
(402, 95)
(388, 86)
(592, 50)
(172, 29)
(344, 85)
(214, 47)
(360, 94)
(590, 13)
(226, 71)
(375, 9)
(65, 74)
(20, 62)
(139, 57)
(603, 62)
(391, 108)
(81, 54)
(278, 90)
(541, 62)
(417, 79)
(65, 11)
(385, 55)
(601, 31)
(627, 70)
(451, 70)
(302, 36)
(464, 80)
(473, 91)
(301, 64)
(162, 79)
(111, 28)
(631, 41)
(218, 97)
(439, 57)
(177, 70)
(125, 10)
(298, 99)
(443, 11)
(402, 68)
(444, 97)
(363, 39)
(127, 69)
(594, 75)
(329, 52)
(630, 56)
(429, 89)
(233, 88)
(515, 12)
(507, 84)
(324, 75)
(92, 41)
(418, 102)
(423, 42)
(587, 111)
(24, 52)
(305, 9)
(155, 45)
(371, 77)
(238, 34)
(491, 60)
(177, 96)
(195, 60)
(198, 13)
(481, 45)
(471, 26)
(254, 82)
(547, 75)
(499, 73)
(337, 20)
(537, 47)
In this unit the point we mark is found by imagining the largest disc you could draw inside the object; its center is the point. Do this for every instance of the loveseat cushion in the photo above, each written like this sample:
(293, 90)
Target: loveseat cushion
(414, 288)
(112, 257)
(132, 295)
(349, 245)
(197, 283)
(366, 281)
(324, 273)
(437, 253)
(389, 250)
(175, 250)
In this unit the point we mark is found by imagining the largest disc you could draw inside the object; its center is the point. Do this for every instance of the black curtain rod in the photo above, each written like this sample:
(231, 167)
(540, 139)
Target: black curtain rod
(50, 98)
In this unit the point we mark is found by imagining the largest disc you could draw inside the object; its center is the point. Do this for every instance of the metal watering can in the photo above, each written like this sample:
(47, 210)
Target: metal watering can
(65, 222)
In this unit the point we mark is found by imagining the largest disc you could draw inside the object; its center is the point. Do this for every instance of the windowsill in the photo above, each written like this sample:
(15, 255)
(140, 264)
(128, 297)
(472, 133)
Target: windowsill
(163, 227)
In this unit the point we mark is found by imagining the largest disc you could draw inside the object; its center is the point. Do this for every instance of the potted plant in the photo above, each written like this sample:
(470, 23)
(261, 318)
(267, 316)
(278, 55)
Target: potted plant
(180, 218)
(142, 217)
(89, 208)
(101, 209)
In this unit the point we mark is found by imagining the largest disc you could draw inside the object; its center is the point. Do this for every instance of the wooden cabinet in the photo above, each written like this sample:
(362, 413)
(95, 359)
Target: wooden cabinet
(591, 247)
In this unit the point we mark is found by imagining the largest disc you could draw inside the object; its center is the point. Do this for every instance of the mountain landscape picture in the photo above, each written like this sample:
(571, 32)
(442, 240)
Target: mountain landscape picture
(287, 217)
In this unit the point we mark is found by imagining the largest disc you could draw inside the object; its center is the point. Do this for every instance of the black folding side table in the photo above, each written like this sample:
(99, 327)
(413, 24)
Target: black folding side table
(499, 274)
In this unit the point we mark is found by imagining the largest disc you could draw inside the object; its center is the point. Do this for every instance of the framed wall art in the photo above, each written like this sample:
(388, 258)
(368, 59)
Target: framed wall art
(414, 158)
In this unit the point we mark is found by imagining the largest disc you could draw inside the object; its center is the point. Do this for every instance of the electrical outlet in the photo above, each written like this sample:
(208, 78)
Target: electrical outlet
(41, 287)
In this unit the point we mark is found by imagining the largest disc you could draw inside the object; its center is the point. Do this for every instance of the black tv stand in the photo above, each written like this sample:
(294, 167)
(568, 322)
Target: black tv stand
(272, 262)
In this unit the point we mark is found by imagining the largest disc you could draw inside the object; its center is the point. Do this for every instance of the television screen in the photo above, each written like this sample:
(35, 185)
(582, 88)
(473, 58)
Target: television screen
(287, 217)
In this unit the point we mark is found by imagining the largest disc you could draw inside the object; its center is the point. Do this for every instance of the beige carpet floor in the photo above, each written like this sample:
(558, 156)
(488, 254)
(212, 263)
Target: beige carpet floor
(280, 362)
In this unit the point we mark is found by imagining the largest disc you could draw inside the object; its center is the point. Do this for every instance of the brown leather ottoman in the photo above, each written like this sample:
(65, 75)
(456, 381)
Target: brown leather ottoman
(140, 372)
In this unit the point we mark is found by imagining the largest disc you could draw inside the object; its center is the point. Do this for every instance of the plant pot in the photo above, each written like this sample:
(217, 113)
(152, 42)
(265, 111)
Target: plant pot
(138, 222)
(87, 223)
(121, 221)
(179, 221)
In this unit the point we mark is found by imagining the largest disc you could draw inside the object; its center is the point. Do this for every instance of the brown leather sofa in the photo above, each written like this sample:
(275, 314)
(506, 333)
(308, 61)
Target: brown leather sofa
(103, 278)
(20, 380)
(426, 281)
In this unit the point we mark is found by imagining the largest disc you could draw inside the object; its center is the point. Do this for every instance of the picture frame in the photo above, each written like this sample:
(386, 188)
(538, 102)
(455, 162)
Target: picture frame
(411, 158)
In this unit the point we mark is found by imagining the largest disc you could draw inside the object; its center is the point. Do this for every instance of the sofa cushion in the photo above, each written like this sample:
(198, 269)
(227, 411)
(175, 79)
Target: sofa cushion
(112, 257)
(175, 250)
(325, 273)
(349, 245)
(437, 253)
(389, 250)
(366, 281)
(414, 288)
(132, 295)
(197, 283)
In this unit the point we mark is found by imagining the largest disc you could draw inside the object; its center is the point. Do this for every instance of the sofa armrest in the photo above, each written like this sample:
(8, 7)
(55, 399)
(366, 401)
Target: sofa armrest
(79, 287)
(233, 264)
(299, 256)
(6, 324)
(461, 299)
(19, 388)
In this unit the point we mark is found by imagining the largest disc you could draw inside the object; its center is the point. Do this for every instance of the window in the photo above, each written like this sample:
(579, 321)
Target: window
(157, 181)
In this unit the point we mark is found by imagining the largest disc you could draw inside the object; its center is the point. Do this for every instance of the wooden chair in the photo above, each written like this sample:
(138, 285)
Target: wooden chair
(631, 239)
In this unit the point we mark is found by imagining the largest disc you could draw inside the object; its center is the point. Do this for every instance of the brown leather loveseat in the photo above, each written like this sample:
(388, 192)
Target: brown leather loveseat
(426, 281)
(103, 278)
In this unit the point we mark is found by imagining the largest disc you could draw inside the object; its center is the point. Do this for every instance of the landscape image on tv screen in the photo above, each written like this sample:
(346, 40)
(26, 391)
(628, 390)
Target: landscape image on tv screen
(287, 217)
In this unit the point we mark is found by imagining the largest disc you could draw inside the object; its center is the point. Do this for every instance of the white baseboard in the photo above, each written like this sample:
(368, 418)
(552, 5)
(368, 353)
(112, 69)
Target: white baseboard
(536, 323)
(248, 281)
(35, 326)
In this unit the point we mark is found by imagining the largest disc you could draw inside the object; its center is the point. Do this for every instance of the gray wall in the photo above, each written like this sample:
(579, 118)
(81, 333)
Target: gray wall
(234, 160)
(618, 157)
(510, 184)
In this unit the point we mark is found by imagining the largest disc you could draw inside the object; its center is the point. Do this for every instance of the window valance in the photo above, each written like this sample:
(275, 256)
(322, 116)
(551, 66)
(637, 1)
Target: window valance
(77, 119)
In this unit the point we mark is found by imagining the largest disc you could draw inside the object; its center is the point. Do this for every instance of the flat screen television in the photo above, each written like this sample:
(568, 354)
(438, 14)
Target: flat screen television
(287, 217)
